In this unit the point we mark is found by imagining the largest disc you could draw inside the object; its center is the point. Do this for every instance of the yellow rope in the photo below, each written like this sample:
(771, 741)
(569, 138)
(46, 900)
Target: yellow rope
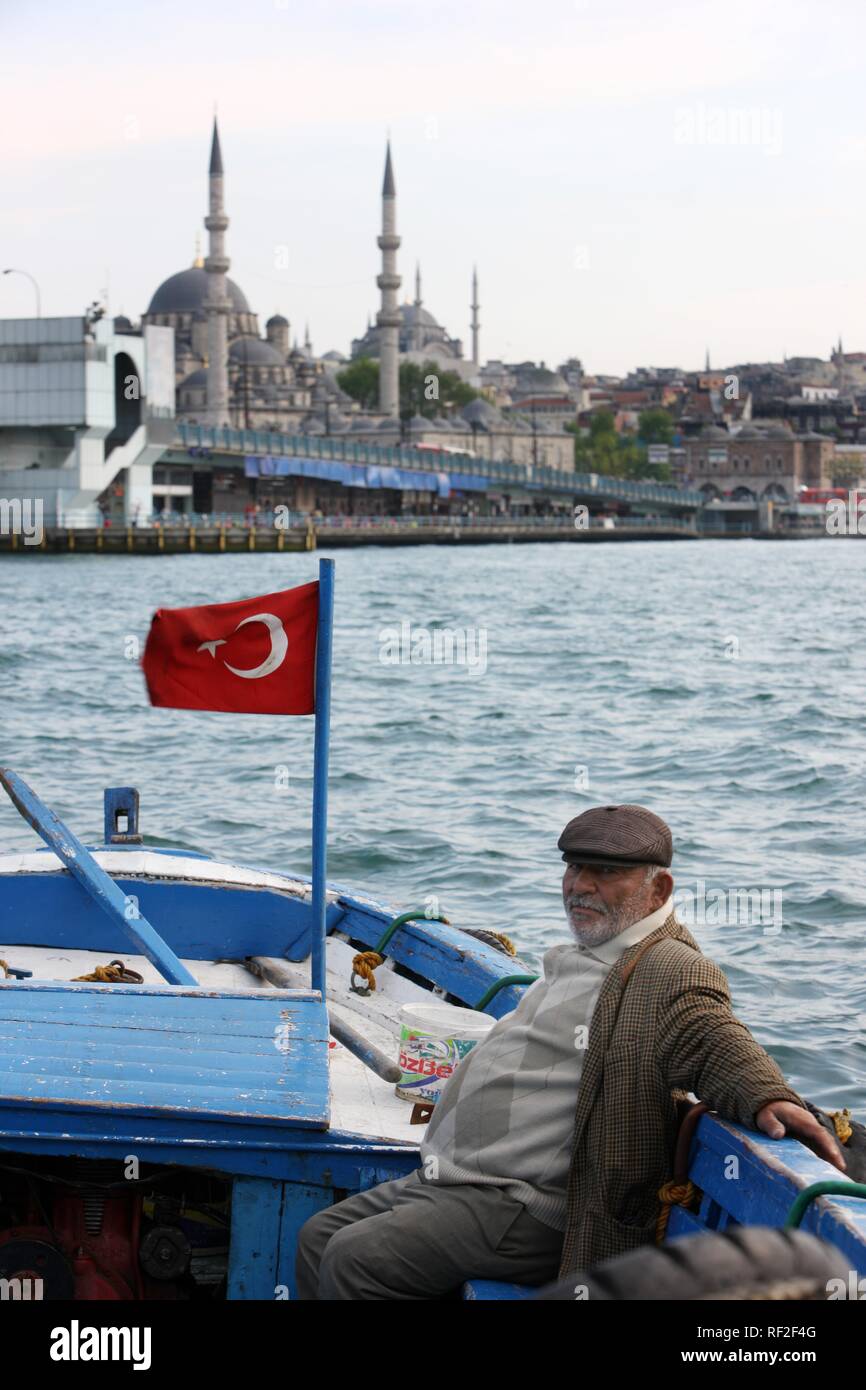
(841, 1123)
(365, 964)
(485, 934)
(505, 942)
(114, 974)
(672, 1194)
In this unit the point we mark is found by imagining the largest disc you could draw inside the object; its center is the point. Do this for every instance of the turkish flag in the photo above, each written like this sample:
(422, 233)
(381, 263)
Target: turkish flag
(256, 656)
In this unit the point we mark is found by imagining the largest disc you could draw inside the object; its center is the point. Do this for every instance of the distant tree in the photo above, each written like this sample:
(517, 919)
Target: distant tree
(845, 473)
(424, 389)
(602, 450)
(655, 426)
(601, 425)
(360, 380)
(429, 391)
(630, 459)
(454, 388)
(596, 452)
(658, 472)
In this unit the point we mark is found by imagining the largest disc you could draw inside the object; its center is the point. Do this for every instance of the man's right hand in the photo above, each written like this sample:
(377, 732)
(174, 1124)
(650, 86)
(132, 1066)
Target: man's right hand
(780, 1117)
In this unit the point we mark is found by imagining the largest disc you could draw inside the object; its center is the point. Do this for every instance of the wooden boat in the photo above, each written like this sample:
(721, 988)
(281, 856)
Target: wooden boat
(166, 1139)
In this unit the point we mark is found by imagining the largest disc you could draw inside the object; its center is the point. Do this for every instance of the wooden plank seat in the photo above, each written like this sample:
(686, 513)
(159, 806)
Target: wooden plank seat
(228, 1068)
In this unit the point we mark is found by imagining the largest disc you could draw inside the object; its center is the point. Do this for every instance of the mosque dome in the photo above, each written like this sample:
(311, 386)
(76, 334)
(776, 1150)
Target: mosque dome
(413, 314)
(542, 382)
(196, 380)
(277, 321)
(715, 432)
(480, 412)
(254, 352)
(186, 292)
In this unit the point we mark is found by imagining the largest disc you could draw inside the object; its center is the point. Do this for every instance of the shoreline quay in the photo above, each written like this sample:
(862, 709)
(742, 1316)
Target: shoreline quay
(179, 540)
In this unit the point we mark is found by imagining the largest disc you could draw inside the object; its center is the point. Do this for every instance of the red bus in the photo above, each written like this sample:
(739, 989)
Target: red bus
(819, 495)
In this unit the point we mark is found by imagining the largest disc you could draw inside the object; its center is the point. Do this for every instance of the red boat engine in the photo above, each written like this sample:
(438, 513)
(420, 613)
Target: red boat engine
(77, 1234)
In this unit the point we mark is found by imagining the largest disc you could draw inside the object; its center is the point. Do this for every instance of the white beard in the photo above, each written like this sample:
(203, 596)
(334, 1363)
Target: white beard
(611, 921)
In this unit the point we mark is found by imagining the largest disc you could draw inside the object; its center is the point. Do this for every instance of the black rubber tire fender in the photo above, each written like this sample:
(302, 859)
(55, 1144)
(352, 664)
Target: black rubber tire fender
(744, 1261)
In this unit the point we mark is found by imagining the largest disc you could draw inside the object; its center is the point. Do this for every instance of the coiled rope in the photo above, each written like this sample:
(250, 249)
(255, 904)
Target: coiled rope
(842, 1125)
(680, 1190)
(365, 963)
(115, 973)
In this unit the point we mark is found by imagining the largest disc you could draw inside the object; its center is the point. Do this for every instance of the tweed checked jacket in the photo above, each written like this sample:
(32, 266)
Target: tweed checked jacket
(669, 1032)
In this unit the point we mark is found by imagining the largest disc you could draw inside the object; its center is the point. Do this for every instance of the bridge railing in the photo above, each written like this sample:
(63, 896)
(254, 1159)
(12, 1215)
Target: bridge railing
(291, 520)
(201, 440)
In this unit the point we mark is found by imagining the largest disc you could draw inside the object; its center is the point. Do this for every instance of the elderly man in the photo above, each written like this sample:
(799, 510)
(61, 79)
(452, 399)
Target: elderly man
(550, 1142)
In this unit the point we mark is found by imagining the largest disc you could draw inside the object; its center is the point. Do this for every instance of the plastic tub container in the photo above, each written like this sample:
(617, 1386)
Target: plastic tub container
(434, 1038)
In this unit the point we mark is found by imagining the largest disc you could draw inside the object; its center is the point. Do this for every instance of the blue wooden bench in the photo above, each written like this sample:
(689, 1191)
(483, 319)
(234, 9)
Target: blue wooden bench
(224, 1068)
(475, 1290)
(744, 1178)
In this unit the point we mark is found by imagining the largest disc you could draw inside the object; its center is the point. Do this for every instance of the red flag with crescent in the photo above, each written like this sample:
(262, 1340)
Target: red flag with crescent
(256, 656)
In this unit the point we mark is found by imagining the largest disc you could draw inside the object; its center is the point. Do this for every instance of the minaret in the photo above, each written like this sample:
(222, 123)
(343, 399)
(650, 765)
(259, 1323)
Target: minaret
(707, 361)
(217, 303)
(388, 317)
(417, 342)
(308, 346)
(475, 322)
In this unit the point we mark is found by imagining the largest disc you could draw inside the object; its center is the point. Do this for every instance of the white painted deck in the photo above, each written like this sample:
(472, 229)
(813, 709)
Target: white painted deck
(361, 1102)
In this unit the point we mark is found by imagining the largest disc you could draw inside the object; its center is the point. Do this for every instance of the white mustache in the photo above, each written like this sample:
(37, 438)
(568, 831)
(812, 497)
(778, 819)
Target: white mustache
(586, 900)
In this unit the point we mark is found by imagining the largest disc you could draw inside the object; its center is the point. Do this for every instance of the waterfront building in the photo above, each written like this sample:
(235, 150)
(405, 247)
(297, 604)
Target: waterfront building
(756, 462)
(84, 408)
(482, 429)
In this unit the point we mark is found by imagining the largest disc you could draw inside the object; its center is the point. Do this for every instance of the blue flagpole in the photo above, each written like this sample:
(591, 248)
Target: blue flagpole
(320, 768)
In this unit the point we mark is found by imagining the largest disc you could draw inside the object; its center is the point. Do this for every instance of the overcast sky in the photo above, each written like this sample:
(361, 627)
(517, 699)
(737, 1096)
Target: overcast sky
(635, 181)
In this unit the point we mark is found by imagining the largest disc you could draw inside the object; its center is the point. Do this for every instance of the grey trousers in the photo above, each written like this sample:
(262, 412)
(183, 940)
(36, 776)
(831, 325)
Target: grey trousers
(410, 1239)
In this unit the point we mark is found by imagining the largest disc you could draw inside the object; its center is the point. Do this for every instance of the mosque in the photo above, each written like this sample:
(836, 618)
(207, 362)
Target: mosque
(419, 336)
(227, 373)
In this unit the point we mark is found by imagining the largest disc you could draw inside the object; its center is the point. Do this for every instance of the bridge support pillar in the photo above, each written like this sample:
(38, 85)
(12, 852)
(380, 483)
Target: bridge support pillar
(138, 497)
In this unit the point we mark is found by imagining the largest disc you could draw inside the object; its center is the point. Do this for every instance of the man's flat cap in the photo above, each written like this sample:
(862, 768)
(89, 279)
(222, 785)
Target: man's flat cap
(617, 835)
